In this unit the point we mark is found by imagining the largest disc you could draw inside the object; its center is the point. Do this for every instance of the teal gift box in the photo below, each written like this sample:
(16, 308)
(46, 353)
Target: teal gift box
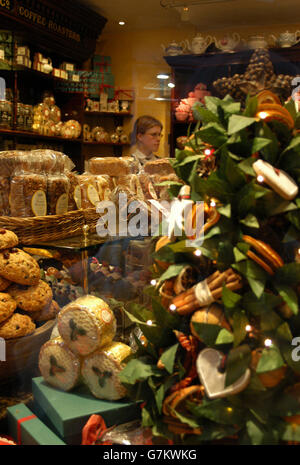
(27, 429)
(66, 413)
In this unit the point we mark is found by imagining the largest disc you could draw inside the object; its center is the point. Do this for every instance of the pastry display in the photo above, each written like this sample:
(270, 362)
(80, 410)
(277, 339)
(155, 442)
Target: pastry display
(32, 298)
(86, 324)
(100, 371)
(58, 365)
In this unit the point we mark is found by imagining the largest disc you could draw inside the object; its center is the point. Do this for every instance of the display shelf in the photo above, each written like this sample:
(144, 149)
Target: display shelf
(19, 133)
(115, 144)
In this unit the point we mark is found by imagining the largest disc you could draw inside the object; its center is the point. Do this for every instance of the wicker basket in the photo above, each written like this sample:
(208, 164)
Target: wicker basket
(22, 353)
(33, 230)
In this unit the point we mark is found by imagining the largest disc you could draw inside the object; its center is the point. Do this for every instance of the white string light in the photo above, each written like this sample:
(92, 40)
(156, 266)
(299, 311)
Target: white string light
(268, 342)
(248, 328)
(260, 178)
(198, 253)
(149, 322)
(172, 308)
(153, 282)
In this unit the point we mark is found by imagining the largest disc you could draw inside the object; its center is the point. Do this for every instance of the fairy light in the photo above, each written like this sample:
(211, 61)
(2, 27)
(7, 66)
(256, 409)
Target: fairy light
(153, 282)
(229, 409)
(212, 203)
(262, 114)
(197, 253)
(268, 342)
(172, 308)
(260, 178)
(248, 328)
(207, 152)
(149, 322)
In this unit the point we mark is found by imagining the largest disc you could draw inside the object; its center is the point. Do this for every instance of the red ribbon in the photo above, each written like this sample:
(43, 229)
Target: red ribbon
(19, 429)
(93, 430)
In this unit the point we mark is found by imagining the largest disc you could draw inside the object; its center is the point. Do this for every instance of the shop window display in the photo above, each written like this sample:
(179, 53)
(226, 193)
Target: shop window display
(152, 303)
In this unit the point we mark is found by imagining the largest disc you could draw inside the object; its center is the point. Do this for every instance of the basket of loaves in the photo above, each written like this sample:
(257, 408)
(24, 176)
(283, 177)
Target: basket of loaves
(40, 196)
(27, 309)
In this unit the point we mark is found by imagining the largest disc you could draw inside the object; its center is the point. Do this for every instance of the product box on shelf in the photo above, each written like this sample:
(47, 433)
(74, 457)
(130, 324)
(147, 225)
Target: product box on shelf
(66, 413)
(102, 63)
(27, 429)
(67, 66)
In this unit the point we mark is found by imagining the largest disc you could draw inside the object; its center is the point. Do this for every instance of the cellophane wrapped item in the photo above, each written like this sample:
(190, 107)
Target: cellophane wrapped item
(28, 187)
(74, 199)
(89, 190)
(131, 433)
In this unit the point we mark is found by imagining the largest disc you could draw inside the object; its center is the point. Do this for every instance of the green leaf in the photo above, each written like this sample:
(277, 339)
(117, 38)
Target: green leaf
(212, 104)
(269, 152)
(172, 271)
(288, 354)
(138, 370)
(270, 360)
(291, 433)
(259, 143)
(284, 332)
(291, 108)
(224, 337)
(168, 358)
(230, 299)
(246, 166)
(213, 134)
(251, 106)
(225, 210)
(187, 420)
(250, 221)
(237, 123)
(256, 306)
(248, 196)
(254, 274)
(289, 296)
(225, 255)
(237, 362)
(203, 114)
(209, 334)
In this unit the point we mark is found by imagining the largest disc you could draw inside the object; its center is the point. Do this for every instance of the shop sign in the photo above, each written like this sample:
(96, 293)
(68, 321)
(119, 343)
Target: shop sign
(48, 18)
(6, 4)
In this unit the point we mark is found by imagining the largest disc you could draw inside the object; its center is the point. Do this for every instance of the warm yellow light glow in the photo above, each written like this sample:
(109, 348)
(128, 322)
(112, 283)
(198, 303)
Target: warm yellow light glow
(263, 114)
(212, 203)
(229, 410)
(198, 253)
(122, 23)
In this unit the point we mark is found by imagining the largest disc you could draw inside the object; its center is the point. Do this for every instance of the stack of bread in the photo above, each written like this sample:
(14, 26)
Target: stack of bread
(106, 177)
(36, 183)
(82, 350)
(25, 298)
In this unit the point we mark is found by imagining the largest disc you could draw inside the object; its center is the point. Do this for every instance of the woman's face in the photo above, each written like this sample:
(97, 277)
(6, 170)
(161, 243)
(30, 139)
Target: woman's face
(150, 140)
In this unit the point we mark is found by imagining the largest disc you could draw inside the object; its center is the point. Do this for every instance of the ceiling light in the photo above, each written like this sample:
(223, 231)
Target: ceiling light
(122, 23)
(162, 76)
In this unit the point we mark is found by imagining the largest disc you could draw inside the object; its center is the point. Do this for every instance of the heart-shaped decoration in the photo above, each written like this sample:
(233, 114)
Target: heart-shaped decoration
(213, 380)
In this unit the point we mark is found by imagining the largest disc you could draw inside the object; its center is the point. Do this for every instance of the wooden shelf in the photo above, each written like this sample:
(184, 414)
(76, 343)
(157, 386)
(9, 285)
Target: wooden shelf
(35, 135)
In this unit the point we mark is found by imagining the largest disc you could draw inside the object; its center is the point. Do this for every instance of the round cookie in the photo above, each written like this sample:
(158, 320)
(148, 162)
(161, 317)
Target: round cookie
(48, 313)
(8, 239)
(7, 306)
(33, 298)
(17, 326)
(4, 283)
(19, 267)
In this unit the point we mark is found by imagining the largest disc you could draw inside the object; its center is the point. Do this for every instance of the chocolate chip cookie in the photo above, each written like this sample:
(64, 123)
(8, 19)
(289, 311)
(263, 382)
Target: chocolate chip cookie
(8, 239)
(16, 326)
(7, 306)
(4, 283)
(32, 298)
(19, 267)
